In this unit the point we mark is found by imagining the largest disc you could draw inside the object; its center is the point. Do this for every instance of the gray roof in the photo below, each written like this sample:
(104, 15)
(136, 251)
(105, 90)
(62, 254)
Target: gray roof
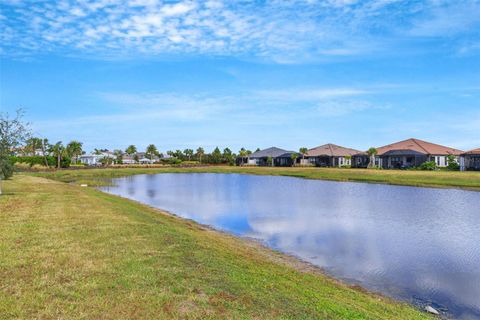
(271, 152)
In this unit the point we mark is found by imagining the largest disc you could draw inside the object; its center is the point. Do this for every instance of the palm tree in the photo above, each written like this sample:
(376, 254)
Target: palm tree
(372, 152)
(32, 145)
(200, 153)
(74, 149)
(45, 146)
(151, 151)
(118, 155)
(58, 151)
(243, 154)
(188, 153)
(303, 151)
(131, 149)
(294, 157)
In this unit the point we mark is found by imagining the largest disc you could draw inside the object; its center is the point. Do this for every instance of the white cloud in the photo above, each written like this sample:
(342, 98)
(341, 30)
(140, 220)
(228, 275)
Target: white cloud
(283, 31)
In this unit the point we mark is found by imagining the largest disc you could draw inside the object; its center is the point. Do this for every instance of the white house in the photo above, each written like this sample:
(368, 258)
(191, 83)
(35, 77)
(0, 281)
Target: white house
(95, 159)
(146, 161)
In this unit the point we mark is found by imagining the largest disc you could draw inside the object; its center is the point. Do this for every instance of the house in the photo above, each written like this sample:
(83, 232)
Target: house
(360, 160)
(470, 160)
(330, 155)
(146, 161)
(412, 153)
(128, 159)
(279, 158)
(93, 159)
(144, 158)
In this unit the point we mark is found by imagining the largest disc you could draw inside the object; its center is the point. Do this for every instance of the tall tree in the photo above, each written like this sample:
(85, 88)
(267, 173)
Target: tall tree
(151, 151)
(45, 147)
(131, 149)
(188, 153)
(58, 151)
(227, 155)
(200, 153)
(179, 154)
(242, 154)
(13, 133)
(32, 145)
(74, 149)
(216, 155)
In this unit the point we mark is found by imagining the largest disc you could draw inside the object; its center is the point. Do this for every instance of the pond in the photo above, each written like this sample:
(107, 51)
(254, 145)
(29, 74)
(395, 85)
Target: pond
(419, 245)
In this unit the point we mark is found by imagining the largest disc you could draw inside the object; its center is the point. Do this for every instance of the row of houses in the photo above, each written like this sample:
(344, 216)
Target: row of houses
(403, 154)
(96, 159)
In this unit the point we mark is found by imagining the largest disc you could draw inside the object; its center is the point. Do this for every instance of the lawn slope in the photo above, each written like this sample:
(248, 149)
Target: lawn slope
(77, 253)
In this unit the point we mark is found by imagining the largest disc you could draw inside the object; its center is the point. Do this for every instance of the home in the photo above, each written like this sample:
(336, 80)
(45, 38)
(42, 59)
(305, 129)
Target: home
(412, 153)
(360, 160)
(271, 157)
(144, 158)
(470, 160)
(128, 159)
(146, 161)
(95, 159)
(330, 155)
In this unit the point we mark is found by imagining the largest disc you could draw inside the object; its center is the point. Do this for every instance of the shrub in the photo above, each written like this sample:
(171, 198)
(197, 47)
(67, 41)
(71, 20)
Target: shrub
(40, 160)
(6, 167)
(452, 163)
(171, 161)
(429, 165)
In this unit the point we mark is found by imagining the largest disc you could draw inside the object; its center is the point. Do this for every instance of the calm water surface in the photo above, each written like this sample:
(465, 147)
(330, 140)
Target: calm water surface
(420, 245)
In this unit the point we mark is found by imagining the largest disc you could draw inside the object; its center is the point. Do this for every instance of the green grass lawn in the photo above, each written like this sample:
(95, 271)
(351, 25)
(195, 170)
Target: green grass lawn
(450, 179)
(68, 252)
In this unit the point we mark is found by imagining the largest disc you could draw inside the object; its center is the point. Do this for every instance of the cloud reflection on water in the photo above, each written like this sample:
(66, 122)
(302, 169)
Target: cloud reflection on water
(411, 243)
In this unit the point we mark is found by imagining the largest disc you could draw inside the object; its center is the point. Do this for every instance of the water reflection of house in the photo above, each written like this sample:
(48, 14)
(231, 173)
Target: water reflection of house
(330, 155)
(470, 160)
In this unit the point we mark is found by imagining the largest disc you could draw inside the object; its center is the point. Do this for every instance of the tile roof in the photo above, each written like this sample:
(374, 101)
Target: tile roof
(331, 150)
(271, 152)
(474, 151)
(420, 146)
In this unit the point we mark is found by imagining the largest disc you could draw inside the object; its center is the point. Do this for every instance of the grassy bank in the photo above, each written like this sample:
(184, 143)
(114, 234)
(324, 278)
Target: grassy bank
(448, 179)
(70, 252)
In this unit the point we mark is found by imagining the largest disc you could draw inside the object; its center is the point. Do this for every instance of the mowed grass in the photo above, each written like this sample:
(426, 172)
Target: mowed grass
(449, 179)
(68, 252)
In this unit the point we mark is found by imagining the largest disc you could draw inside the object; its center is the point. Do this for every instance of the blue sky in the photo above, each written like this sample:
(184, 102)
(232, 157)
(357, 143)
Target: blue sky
(183, 74)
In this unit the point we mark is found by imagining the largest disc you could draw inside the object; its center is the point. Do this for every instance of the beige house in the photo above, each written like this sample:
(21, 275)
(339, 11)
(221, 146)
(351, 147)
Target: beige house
(412, 153)
(330, 155)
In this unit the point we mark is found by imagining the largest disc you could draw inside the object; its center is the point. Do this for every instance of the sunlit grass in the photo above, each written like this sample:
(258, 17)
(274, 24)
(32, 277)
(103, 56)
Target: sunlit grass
(68, 252)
